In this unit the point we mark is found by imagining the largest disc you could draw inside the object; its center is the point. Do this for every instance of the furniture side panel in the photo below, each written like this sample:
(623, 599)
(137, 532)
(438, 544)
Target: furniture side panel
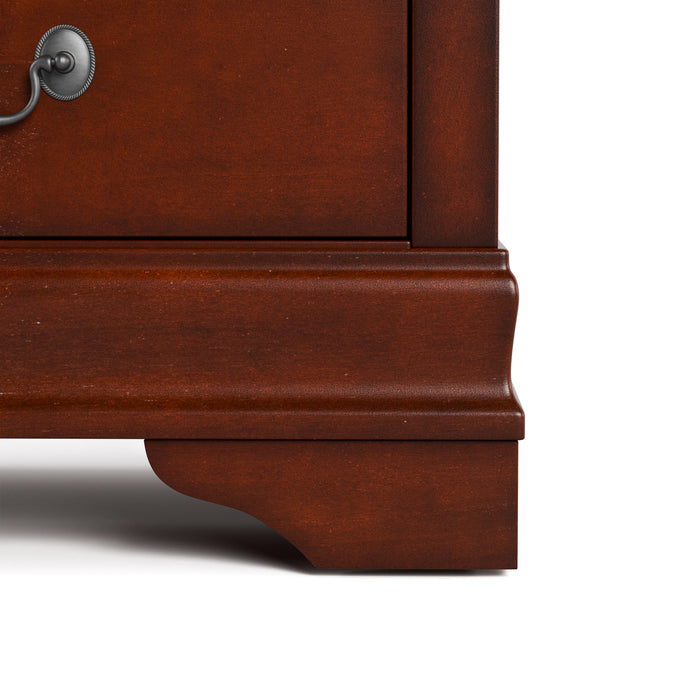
(455, 123)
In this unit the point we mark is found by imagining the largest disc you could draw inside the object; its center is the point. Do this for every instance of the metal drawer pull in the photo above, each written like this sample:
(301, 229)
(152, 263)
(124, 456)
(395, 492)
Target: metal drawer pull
(64, 65)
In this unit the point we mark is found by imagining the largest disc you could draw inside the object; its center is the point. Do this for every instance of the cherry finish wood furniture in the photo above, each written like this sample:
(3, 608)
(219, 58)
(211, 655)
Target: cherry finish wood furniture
(265, 241)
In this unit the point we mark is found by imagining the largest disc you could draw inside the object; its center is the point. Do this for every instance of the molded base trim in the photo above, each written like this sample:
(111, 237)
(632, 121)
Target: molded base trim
(257, 345)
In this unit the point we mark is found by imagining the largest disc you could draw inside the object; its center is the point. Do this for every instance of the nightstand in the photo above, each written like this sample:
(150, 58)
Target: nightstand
(262, 236)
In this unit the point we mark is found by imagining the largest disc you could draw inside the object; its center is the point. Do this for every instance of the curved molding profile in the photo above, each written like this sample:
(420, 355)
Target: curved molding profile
(362, 504)
(257, 344)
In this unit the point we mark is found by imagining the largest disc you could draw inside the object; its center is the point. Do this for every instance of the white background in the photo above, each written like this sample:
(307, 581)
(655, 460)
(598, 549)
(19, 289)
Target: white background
(113, 586)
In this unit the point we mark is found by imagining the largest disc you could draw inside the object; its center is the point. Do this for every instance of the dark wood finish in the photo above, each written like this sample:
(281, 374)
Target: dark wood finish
(356, 396)
(455, 123)
(363, 505)
(257, 345)
(254, 118)
(191, 244)
(282, 121)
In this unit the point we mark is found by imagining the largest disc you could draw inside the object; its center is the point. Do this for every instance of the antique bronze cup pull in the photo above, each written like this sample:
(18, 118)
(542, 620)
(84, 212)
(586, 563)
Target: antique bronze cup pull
(64, 65)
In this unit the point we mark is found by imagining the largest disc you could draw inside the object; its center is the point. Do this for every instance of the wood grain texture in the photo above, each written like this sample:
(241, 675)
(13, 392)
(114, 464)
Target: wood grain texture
(254, 118)
(354, 396)
(328, 245)
(239, 344)
(362, 505)
(455, 123)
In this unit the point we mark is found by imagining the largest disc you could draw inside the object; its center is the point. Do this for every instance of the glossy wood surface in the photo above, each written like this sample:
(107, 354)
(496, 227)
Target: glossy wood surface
(455, 123)
(254, 118)
(363, 505)
(354, 395)
(208, 343)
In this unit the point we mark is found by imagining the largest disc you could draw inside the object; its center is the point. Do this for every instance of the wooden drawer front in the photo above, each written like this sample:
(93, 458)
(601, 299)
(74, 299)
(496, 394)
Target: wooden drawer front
(254, 118)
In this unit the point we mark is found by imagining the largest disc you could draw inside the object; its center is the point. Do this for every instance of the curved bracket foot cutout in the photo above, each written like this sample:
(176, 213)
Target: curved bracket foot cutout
(362, 504)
